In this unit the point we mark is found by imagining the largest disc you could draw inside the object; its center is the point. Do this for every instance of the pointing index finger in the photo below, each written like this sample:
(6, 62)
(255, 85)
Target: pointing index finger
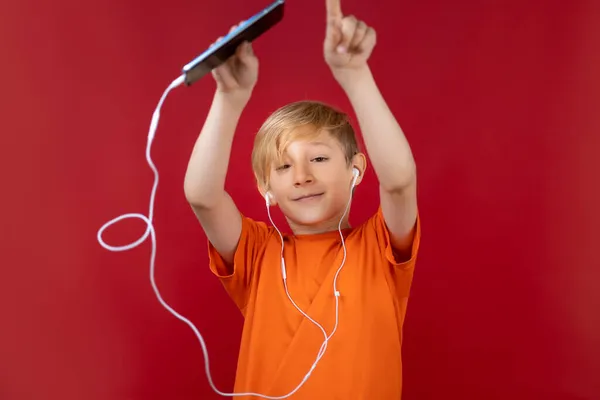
(334, 9)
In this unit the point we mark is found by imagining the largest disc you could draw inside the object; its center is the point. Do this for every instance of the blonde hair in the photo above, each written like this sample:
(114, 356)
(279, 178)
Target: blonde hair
(279, 130)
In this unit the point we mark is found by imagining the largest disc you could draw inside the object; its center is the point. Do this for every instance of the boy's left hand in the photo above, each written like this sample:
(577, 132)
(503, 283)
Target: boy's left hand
(348, 41)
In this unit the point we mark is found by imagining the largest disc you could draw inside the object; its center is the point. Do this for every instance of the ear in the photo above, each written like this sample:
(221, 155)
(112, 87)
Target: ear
(267, 195)
(270, 199)
(359, 162)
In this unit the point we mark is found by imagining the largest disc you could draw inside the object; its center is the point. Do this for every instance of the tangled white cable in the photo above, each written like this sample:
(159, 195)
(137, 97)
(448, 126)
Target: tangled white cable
(151, 232)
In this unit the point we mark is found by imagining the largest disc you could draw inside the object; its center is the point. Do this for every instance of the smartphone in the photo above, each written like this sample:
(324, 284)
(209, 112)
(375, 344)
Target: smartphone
(247, 31)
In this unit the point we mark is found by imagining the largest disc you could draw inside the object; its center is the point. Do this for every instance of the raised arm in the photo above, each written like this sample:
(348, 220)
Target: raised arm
(348, 45)
(204, 184)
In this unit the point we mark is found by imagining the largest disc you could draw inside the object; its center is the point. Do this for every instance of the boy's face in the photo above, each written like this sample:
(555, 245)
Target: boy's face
(312, 184)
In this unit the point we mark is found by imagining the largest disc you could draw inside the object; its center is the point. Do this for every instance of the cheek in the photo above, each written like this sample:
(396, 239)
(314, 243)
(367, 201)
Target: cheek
(279, 191)
(340, 190)
(276, 183)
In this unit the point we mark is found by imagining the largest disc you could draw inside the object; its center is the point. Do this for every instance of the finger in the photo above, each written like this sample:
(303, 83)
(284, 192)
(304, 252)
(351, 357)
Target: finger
(224, 76)
(216, 41)
(334, 23)
(334, 10)
(369, 40)
(348, 28)
(241, 49)
(333, 36)
(234, 27)
(249, 53)
(221, 37)
(359, 35)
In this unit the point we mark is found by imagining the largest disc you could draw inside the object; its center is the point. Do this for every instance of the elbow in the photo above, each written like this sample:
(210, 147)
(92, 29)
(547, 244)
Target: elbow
(404, 179)
(199, 197)
(201, 202)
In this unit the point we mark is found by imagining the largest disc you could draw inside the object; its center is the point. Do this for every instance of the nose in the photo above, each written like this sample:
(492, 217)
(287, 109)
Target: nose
(302, 175)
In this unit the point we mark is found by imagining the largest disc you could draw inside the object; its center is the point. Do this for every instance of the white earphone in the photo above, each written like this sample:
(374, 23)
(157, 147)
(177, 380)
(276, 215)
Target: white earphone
(336, 292)
(356, 174)
(268, 197)
(150, 232)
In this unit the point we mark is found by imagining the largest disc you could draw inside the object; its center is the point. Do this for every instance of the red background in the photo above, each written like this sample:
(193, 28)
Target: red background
(499, 101)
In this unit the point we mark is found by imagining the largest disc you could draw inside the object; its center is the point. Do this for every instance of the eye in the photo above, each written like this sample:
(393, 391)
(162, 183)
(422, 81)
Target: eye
(282, 167)
(320, 159)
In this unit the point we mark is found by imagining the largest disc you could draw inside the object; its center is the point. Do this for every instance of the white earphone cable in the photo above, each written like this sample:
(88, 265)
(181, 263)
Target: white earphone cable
(335, 291)
(151, 232)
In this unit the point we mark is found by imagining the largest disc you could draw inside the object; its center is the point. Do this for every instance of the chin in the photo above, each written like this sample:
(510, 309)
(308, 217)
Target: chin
(312, 216)
(307, 220)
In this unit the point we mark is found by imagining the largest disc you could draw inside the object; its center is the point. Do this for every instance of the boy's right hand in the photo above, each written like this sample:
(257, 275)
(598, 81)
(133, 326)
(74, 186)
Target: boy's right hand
(238, 75)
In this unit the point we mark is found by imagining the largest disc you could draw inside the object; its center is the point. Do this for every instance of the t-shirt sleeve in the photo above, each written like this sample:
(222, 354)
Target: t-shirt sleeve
(400, 270)
(385, 242)
(237, 279)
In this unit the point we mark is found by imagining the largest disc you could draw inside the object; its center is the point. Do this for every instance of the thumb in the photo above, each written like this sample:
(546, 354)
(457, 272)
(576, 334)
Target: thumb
(245, 52)
(333, 35)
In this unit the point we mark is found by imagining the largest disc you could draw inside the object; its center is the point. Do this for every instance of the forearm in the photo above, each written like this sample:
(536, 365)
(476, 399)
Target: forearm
(207, 168)
(388, 148)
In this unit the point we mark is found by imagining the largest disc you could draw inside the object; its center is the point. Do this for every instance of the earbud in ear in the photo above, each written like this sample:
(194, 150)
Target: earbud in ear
(356, 174)
(268, 198)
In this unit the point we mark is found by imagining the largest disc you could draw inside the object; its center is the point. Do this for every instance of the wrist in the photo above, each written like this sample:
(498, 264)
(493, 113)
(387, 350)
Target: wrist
(349, 79)
(234, 100)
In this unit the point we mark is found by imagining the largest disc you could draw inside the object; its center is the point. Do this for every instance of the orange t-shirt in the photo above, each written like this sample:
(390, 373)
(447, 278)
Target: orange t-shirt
(279, 345)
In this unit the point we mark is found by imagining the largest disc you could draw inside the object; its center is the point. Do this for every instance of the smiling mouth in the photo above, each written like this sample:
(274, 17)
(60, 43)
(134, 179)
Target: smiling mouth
(309, 197)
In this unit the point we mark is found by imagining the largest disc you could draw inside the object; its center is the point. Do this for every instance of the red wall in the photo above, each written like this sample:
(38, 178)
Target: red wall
(499, 100)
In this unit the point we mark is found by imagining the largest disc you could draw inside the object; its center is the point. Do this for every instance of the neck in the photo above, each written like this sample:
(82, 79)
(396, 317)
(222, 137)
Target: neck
(323, 227)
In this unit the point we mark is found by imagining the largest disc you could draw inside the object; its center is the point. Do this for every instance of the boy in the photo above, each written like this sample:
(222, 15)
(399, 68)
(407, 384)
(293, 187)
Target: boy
(304, 157)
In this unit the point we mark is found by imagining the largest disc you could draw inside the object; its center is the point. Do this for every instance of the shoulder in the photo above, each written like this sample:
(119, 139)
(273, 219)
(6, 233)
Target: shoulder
(238, 276)
(256, 229)
(253, 239)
